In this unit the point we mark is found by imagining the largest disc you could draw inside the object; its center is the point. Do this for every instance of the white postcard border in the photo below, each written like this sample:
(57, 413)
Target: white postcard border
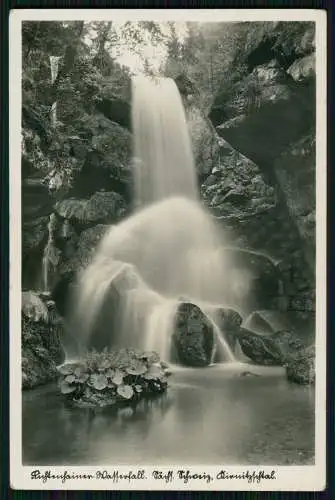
(288, 478)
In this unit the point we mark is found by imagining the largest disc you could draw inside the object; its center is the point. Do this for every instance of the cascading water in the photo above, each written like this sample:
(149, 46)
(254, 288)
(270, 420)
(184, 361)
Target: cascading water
(169, 248)
(54, 64)
(48, 249)
(161, 142)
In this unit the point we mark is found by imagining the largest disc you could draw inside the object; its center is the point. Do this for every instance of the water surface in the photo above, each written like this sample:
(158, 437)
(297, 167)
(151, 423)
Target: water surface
(209, 416)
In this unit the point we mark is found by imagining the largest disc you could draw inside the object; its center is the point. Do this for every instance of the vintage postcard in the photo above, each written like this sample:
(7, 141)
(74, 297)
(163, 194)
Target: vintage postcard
(168, 249)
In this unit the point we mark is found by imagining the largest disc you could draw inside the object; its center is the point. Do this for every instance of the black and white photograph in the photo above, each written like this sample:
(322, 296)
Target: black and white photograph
(168, 249)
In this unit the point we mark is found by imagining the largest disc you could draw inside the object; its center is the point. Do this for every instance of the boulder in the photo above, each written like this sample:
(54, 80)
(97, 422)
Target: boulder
(194, 337)
(303, 68)
(275, 338)
(260, 348)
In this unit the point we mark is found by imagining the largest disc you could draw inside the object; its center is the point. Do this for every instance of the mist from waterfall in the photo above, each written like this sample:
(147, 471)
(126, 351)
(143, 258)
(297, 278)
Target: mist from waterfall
(169, 250)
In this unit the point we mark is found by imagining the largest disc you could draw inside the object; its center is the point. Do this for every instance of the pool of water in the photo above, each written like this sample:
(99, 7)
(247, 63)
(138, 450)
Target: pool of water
(213, 415)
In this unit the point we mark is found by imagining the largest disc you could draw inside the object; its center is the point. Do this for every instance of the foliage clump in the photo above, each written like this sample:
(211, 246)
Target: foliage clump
(113, 377)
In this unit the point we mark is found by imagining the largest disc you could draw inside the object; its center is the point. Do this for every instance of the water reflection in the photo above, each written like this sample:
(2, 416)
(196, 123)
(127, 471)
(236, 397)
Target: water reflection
(208, 416)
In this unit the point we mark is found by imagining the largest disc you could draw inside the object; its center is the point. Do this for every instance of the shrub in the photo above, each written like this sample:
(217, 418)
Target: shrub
(113, 377)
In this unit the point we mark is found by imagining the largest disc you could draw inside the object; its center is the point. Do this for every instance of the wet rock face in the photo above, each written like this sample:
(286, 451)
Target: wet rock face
(204, 141)
(295, 172)
(269, 117)
(268, 111)
(194, 338)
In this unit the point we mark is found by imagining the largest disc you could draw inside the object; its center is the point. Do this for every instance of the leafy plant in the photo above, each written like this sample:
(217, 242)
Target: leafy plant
(110, 377)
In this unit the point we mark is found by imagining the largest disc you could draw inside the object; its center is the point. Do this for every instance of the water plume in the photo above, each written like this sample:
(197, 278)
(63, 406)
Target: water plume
(161, 142)
(54, 66)
(169, 250)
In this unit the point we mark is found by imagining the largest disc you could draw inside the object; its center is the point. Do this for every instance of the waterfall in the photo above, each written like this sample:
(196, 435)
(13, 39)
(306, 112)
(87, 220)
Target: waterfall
(54, 65)
(47, 254)
(161, 142)
(169, 248)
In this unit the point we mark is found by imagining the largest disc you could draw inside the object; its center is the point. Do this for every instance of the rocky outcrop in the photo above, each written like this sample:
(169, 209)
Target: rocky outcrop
(268, 95)
(205, 142)
(78, 225)
(194, 338)
(275, 338)
(268, 115)
(41, 335)
(236, 189)
(80, 172)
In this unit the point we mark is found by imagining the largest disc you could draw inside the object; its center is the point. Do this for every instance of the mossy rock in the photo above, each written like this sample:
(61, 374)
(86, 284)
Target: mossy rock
(194, 338)
(301, 369)
(266, 348)
(260, 348)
